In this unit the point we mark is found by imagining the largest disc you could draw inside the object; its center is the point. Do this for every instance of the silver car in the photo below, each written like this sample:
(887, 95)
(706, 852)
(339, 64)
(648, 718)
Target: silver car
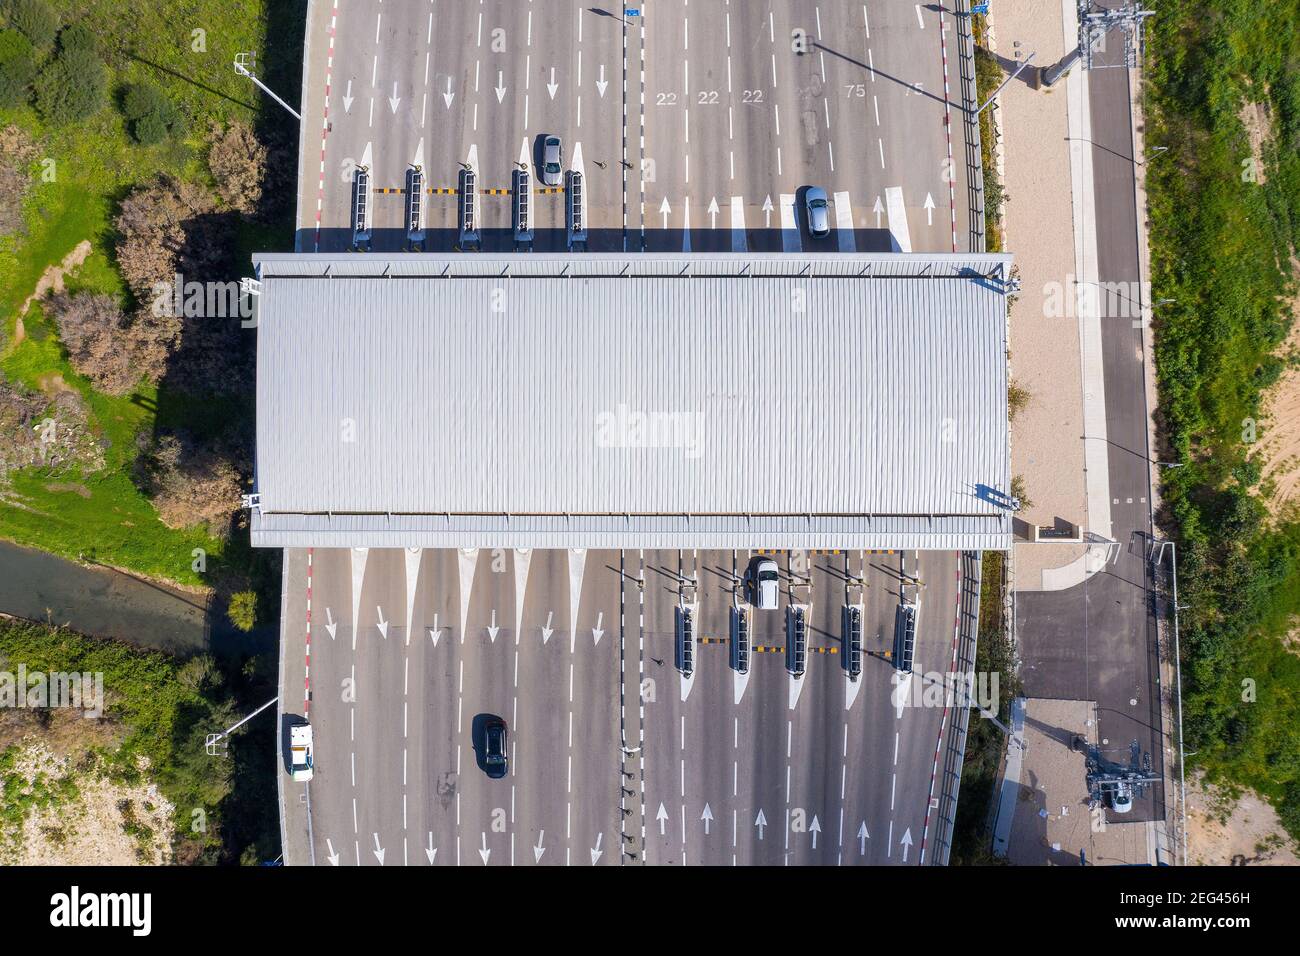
(819, 217)
(552, 160)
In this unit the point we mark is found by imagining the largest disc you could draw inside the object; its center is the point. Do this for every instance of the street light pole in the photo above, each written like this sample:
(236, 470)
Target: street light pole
(241, 67)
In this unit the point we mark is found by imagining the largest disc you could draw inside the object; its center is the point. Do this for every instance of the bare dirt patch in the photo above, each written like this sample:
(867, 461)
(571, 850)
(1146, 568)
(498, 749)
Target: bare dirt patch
(52, 281)
(1223, 830)
(1279, 447)
(81, 816)
(1257, 118)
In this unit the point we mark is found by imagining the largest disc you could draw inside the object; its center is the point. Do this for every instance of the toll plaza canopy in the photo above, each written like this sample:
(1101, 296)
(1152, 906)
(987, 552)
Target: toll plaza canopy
(617, 401)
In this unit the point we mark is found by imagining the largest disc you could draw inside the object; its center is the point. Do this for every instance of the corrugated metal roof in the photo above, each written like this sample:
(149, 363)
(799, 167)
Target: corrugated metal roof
(615, 394)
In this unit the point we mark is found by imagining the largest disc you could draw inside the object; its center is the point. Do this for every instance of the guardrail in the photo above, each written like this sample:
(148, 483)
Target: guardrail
(973, 150)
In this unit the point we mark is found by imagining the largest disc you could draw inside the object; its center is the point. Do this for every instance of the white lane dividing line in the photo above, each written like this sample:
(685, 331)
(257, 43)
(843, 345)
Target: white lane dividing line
(738, 224)
(844, 223)
(790, 241)
(920, 20)
(899, 235)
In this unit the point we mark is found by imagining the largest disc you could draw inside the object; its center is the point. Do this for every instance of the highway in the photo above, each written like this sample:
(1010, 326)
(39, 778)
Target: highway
(695, 126)
(408, 652)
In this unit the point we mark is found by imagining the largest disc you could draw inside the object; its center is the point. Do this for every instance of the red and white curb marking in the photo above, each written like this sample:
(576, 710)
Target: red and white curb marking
(324, 132)
(947, 129)
(306, 670)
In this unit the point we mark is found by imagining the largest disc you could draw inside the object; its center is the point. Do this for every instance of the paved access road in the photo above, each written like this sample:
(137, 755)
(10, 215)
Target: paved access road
(757, 768)
(695, 126)
(1099, 640)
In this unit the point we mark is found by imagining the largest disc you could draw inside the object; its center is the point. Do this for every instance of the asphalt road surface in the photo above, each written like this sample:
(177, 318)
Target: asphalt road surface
(695, 126)
(404, 654)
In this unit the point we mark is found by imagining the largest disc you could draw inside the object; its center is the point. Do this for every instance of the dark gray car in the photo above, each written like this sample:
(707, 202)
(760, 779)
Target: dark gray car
(552, 160)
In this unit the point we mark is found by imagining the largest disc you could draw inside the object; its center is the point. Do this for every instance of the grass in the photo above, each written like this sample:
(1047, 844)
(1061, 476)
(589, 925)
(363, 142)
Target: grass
(987, 77)
(1221, 248)
(165, 709)
(95, 164)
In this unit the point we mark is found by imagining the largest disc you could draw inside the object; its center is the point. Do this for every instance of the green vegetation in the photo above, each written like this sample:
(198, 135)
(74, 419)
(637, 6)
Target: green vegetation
(170, 76)
(987, 77)
(985, 743)
(1224, 229)
(163, 709)
(243, 610)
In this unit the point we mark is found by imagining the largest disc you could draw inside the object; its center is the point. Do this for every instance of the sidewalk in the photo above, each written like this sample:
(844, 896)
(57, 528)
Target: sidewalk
(1045, 159)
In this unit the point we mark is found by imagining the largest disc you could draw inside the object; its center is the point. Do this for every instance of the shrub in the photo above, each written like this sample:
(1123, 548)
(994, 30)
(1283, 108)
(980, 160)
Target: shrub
(243, 610)
(191, 483)
(34, 19)
(17, 68)
(97, 336)
(79, 36)
(150, 115)
(238, 164)
(161, 233)
(71, 87)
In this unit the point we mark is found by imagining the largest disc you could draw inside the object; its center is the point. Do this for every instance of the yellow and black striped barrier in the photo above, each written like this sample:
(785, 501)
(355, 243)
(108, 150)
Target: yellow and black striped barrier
(768, 649)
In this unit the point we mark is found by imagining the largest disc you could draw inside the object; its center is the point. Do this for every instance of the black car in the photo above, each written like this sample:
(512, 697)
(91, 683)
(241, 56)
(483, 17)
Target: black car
(495, 761)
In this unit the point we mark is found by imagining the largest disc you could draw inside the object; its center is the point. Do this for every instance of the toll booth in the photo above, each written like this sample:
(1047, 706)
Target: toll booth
(361, 208)
(851, 640)
(523, 207)
(796, 640)
(685, 644)
(575, 209)
(468, 233)
(904, 637)
(739, 640)
(415, 207)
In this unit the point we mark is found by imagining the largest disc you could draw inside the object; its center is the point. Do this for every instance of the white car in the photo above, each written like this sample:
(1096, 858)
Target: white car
(300, 753)
(764, 584)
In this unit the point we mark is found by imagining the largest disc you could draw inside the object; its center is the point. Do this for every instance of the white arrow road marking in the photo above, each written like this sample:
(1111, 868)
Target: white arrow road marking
(906, 842)
(552, 86)
(664, 209)
(929, 210)
(500, 90)
(707, 817)
(878, 208)
(662, 817)
(862, 839)
(333, 857)
(431, 851)
(844, 223)
(394, 99)
(767, 211)
(598, 632)
(790, 240)
(449, 95)
(713, 213)
(539, 849)
(600, 81)
(738, 224)
(378, 851)
(485, 852)
(596, 851)
(382, 624)
(435, 631)
(760, 821)
(331, 625)
(347, 97)
(547, 630)
(814, 828)
(493, 630)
